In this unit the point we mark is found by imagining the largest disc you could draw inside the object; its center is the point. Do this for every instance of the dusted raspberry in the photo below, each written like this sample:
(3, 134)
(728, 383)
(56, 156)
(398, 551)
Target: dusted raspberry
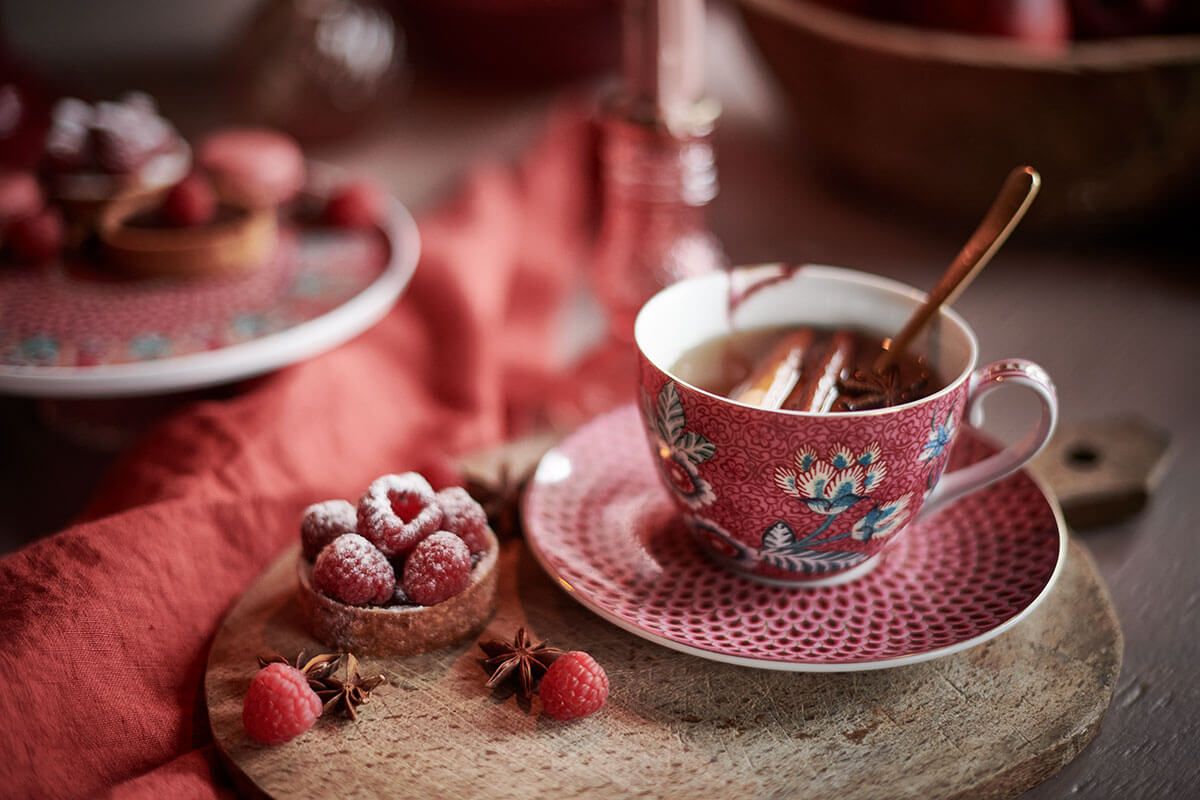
(124, 134)
(397, 511)
(573, 687)
(352, 570)
(437, 569)
(324, 522)
(462, 516)
(67, 141)
(38, 238)
(356, 205)
(280, 705)
(192, 201)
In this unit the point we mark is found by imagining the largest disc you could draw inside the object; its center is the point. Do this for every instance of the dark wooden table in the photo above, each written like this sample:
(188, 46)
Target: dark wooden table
(1117, 323)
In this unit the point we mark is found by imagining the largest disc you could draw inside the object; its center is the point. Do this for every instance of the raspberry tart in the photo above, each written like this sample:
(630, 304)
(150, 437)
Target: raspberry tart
(186, 232)
(399, 574)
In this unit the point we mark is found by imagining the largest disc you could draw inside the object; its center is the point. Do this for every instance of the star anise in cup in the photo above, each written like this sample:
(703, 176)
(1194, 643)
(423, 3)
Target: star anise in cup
(866, 389)
(345, 695)
(521, 662)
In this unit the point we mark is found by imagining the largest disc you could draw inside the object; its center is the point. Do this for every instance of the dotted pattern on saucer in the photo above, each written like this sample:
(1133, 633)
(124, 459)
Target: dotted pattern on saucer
(604, 524)
(76, 315)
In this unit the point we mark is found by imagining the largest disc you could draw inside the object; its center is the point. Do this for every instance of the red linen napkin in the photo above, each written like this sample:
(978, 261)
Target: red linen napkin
(105, 627)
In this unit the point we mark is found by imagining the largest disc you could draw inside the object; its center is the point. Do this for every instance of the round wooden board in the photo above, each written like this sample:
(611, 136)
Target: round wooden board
(989, 722)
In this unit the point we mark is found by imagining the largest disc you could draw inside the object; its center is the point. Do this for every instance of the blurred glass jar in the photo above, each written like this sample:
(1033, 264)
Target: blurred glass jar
(318, 69)
(654, 229)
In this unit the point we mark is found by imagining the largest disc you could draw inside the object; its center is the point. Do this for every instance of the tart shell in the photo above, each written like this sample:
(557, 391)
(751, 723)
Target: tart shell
(401, 630)
(227, 247)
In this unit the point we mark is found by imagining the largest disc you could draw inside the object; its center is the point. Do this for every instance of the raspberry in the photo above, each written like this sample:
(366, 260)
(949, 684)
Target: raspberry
(279, 705)
(20, 195)
(192, 201)
(324, 522)
(573, 687)
(37, 239)
(356, 205)
(462, 516)
(397, 511)
(351, 570)
(437, 569)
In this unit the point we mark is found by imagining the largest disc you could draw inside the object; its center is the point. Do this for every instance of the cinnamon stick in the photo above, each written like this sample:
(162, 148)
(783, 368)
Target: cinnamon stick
(819, 389)
(778, 374)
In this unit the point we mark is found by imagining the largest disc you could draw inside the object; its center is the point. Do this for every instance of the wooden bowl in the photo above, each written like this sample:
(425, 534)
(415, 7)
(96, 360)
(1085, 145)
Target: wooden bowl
(937, 119)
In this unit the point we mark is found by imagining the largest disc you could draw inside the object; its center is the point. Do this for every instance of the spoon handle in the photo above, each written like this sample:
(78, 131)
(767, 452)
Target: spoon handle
(1017, 193)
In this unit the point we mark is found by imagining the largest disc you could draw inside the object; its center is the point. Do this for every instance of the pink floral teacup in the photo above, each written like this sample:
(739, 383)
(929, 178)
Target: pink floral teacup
(803, 498)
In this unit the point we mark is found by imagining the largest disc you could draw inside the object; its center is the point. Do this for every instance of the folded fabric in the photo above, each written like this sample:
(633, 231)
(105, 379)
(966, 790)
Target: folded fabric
(106, 625)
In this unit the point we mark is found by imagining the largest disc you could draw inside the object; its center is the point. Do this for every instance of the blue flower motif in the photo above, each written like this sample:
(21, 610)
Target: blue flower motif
(940, 436)
(40, 349)
(882, 520)
(832, 485)
(149, 345)
(308, 284)
(250, 325)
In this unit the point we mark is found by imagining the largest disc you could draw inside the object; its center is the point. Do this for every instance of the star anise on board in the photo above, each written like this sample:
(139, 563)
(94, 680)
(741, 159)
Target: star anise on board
(316, 669)
(345, 695)
(501, 499)
(868, 389)
(521, 661)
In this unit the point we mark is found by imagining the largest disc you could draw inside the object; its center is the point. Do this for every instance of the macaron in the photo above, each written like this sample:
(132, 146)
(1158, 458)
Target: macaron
(258, 166)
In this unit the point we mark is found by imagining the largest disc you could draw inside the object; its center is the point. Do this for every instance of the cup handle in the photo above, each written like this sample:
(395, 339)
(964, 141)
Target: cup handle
(984, 380)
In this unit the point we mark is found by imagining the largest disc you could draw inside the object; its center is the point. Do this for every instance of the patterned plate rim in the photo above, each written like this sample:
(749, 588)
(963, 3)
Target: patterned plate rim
(783, 664)
(245, 359)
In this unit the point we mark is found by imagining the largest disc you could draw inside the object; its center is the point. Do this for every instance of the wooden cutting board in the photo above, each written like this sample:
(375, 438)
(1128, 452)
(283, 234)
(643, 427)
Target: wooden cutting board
(990, 722)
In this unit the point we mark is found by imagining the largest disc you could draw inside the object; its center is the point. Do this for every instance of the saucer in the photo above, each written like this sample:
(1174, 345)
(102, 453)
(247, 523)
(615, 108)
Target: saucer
(600, 523)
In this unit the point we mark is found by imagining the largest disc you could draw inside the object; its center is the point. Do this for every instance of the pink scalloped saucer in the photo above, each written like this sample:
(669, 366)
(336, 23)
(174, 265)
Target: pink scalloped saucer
(602, 525)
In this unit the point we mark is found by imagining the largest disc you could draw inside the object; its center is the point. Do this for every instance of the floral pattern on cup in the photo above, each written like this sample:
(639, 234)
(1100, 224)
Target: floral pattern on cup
(829, 487)
(832, 503)
(679, 452)
(781, 548)
(834, 484)
(937, 443)
(941, 434)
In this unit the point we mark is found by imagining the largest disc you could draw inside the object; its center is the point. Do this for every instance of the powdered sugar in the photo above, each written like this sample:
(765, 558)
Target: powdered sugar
(324, 522)
(354, 571)
(398, 511)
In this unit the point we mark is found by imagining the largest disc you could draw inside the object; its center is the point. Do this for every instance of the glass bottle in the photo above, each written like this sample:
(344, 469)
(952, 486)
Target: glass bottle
(657, 185)
(657, 163)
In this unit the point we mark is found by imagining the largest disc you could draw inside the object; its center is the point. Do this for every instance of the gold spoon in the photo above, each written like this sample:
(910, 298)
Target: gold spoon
(1016, 195)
